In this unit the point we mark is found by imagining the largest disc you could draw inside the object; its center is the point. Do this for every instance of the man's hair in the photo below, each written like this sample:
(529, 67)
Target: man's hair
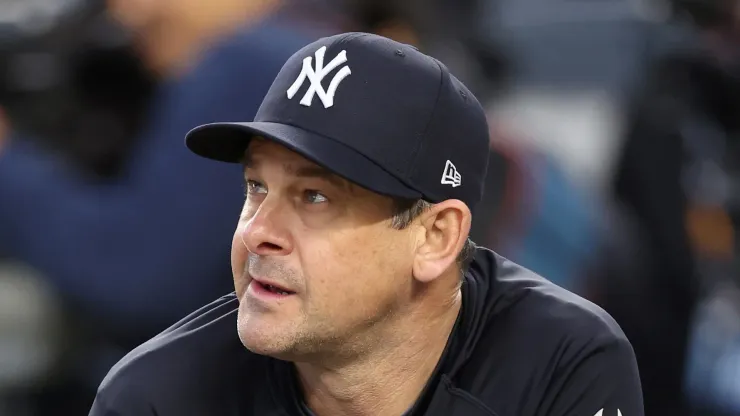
(406, 211)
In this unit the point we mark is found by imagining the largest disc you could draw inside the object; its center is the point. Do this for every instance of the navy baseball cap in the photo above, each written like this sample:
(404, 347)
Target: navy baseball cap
(376, 112)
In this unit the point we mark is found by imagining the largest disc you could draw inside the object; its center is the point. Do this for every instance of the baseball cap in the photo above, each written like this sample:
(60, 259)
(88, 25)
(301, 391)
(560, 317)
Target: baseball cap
(374, 111)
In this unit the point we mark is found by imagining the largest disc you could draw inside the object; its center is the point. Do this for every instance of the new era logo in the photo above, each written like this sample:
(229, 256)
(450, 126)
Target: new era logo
(451, 176)
(316, 75)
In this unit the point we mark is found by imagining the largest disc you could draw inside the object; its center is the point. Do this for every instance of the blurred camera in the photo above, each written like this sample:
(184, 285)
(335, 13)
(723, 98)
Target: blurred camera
(70, 80)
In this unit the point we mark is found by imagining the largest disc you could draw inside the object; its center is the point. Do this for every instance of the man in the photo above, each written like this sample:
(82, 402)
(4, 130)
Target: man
(358, 291)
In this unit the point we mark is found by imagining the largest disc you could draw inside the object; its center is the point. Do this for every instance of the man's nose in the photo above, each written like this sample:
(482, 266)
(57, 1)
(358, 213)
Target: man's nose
(266, 234)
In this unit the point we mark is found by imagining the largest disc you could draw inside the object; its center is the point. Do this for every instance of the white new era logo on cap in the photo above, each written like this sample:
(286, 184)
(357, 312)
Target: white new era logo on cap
(451, 176)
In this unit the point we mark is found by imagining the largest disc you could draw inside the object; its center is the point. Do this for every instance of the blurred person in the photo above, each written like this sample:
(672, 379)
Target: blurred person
(568, 68)
(132, 255)
(138, 211)
(673, 186)
(357, 287)
(534, 214)
(74, 86)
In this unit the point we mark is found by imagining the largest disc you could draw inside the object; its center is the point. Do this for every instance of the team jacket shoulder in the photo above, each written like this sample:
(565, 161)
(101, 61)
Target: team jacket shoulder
(556, 313)
(532, 334)
(170, 360)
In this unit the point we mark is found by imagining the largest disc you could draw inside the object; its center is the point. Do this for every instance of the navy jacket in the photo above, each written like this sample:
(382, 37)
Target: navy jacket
(521, 346)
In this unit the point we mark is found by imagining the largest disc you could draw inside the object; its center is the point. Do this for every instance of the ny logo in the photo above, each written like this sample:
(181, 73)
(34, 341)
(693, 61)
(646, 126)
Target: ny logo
(315, 76)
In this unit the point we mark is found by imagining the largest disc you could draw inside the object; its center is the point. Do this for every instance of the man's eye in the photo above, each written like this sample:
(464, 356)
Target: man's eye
(254, 187)
(315, 197)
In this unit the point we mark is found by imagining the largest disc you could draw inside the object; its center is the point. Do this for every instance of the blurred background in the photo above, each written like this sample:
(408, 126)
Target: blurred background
(614, 168)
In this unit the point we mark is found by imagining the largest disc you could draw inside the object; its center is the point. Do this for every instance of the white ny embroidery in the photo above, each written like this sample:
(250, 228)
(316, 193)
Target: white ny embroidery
(317, 75)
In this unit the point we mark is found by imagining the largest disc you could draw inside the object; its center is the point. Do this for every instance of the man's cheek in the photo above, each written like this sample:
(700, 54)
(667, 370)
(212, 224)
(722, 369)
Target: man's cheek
(238, 259)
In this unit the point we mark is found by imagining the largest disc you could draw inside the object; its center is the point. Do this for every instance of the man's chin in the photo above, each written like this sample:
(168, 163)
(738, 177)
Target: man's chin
(272, 351)
(279, 345)
(263, 341)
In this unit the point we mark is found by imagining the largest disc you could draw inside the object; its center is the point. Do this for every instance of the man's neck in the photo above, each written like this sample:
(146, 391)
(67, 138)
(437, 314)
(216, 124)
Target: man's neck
(387, 381)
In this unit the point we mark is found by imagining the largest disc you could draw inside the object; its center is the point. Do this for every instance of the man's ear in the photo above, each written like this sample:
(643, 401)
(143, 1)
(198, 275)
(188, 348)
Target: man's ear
(444, 228)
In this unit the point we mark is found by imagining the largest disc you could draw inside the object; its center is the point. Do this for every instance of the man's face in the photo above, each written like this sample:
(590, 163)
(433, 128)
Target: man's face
(316, 264)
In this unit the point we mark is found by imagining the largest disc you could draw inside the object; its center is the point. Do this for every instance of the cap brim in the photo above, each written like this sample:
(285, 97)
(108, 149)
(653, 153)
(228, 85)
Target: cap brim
(227, 142)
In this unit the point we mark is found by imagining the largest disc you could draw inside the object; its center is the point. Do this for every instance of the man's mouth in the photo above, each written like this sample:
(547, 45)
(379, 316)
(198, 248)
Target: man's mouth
(275, 289)
(270, 288)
